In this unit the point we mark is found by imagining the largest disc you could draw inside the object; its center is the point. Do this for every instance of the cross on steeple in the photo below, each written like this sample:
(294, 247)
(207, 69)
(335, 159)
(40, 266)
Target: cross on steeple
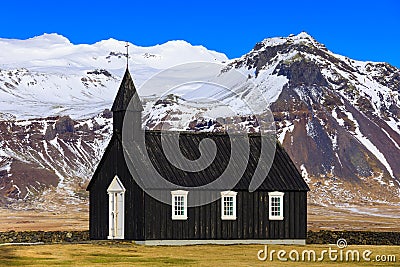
(127, 54)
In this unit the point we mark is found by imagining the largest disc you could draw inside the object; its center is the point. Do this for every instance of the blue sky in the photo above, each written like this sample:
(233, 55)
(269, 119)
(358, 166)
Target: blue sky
(364, 30)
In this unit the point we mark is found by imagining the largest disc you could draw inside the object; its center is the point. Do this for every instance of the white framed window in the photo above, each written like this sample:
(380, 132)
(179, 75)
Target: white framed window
(179, 205)
(228, 205)
(275, 205)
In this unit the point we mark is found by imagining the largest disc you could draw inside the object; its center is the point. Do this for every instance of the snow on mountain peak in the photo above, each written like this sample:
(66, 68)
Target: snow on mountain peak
(275, 41)
(51, 51)
(47, 74)
(50, 39)
(303, 35)
(112, 44)
(41, 41)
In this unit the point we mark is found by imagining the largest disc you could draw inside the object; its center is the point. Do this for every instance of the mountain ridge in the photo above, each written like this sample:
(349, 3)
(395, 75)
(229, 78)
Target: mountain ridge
(338, 118)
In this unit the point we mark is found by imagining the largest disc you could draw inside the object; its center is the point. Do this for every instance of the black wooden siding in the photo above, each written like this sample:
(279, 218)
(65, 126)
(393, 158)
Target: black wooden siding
(149, 219)
(112, 165)
(252, 221)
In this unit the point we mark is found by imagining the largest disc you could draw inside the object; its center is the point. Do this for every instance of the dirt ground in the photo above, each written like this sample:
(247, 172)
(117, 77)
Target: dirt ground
(373, 218)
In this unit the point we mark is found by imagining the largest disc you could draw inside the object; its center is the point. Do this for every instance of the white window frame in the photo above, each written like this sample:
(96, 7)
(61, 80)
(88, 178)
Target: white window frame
(179, 193)
(272, 195)
(228, 194)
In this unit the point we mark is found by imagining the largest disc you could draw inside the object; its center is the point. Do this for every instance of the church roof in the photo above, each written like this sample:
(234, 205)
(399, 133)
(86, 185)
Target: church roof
(282, 176)
(126, 93)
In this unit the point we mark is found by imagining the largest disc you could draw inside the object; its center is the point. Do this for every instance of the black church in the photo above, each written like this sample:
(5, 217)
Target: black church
(276, 212)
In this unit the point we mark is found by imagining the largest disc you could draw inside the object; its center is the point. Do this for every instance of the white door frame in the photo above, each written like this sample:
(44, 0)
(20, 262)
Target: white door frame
(116, 209)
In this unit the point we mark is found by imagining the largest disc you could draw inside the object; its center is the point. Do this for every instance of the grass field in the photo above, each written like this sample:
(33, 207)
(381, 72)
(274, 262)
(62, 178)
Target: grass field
(129, 254)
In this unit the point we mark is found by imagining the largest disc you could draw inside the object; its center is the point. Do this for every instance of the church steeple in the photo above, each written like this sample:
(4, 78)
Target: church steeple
(126, 94)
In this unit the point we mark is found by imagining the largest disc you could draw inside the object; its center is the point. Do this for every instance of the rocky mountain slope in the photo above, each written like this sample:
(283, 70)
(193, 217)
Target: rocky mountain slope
(338, 118)
(46, 162)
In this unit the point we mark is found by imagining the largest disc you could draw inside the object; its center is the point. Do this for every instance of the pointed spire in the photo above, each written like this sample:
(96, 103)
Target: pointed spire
(126, 92)
(127, 55)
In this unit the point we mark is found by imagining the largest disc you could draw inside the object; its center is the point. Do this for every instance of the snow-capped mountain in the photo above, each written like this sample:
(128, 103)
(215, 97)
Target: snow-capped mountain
(47, 75)
(338, 118)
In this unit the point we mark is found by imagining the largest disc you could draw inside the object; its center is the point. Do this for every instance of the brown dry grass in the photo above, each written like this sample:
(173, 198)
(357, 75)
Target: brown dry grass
(45, 221)
(319, 218)
(129, 254)
(382, 218)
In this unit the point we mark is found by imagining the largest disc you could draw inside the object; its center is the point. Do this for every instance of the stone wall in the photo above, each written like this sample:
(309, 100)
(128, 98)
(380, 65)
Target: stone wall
(321, 237)
(45, 237)
(354, 237)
